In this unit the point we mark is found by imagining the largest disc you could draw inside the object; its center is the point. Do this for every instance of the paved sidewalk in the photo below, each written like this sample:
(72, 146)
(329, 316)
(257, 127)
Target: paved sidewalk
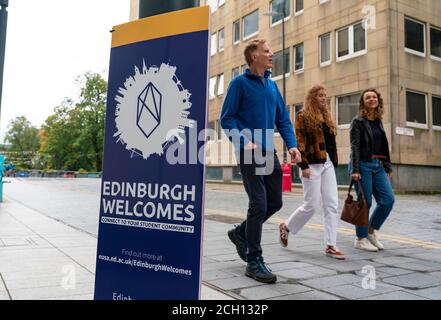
(41, 258)
(39, 255)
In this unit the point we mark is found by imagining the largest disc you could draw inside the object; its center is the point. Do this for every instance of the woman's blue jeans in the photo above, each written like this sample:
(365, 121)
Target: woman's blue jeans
(375, 181)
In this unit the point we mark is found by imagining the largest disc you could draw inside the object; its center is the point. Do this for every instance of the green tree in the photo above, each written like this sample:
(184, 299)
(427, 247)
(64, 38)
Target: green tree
(89, 114)
(22, 135)
(72, 137)
(59, 135)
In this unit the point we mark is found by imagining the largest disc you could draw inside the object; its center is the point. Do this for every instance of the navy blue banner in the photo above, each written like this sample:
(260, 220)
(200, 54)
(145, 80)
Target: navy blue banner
(151, 212)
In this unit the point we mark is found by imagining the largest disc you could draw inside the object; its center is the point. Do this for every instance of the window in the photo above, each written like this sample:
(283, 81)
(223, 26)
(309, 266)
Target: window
(414, 37)
(213, 44)
(221, 3)
(351, 41)
(236, 32)
(323, 1)
(325, 49)
(211, 131)
(436, 112)
(251, 24)
(278, 6)
(298, 6)
(235, 72)
(243, 68)
(347, 108)
(218, 130)
(416, 109)
(212, 88)
(359, 37)
(220, 84)
(277, 63)
(435, 42)
(221, 39)
(298, 58)
(297, 108)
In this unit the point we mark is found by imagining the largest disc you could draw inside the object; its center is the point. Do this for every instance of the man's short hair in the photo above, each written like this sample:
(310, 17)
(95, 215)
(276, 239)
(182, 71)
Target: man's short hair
(251, 48)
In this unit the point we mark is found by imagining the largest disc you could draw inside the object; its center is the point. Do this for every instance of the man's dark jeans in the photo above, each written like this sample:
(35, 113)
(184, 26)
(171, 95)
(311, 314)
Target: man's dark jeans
(265, 199)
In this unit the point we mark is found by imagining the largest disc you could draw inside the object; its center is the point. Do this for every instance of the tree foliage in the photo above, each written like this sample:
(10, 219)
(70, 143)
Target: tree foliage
(22, 136)
(72, 138)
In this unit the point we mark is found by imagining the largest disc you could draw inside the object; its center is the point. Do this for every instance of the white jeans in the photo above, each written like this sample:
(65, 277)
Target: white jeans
(322, 182)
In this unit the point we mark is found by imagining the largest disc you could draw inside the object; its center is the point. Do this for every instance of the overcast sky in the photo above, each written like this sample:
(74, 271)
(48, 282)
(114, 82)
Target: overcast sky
(49, 43)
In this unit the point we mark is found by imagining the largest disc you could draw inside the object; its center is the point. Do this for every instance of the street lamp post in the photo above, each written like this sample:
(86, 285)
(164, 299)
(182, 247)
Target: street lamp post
(282, 14)
(149, 8)
(3, 24)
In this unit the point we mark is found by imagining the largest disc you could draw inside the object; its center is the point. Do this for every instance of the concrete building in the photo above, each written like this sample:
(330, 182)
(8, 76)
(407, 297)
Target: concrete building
(346, 45)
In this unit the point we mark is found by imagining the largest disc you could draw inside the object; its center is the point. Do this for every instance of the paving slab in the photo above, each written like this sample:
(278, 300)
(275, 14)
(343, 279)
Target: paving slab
(433, 293)
(413, 280)
(396, 295)
(310, 295)
(331, 281)
(235, 283)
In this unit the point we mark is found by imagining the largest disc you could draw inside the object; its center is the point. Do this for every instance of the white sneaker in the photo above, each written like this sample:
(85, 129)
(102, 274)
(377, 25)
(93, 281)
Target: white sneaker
(364, 244)
(373, 239)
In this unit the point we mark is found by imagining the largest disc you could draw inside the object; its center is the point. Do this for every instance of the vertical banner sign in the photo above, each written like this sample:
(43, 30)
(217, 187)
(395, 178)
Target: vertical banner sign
(152, 192)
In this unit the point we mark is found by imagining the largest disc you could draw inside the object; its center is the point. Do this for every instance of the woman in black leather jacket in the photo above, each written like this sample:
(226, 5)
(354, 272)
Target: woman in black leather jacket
(370, 163)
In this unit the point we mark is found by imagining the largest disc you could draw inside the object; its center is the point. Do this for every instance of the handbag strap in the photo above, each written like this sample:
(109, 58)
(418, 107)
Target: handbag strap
(360, 188)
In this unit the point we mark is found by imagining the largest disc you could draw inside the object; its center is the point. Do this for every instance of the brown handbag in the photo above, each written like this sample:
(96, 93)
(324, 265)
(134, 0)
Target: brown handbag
(356, 212)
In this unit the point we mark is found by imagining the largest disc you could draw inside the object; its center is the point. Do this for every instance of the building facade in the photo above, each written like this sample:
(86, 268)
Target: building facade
(347, 46)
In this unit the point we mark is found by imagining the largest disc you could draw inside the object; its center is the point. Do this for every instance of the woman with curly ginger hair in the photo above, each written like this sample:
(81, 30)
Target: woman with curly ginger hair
(315, 132)
(370, 163)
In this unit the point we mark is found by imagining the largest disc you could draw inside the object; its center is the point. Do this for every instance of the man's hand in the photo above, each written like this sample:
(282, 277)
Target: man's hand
(296, 157)
(355, 176)
(389, 174)
(250, 146)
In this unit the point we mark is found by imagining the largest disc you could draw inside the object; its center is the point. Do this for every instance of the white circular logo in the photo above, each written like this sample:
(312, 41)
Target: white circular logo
(152, 111)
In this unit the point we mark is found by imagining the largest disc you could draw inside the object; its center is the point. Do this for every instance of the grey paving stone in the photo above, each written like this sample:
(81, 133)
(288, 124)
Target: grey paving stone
(215, 274)
(259, 293)
(288, 265)
(4, 295)
(310, 295)
(430, 293)
(378, 274)
(226, 257)
(359, 256)
(270, 259)
(320, 271)
(396, 295)
(417, 266)
(207, 260)
(296, 274)
(51, 292)
(430, 256)
(410, 252)
(287, 288)
(74, 297)
(317, 260)
(236, 271)
(235, 283)
(391, 271)
(348, 266)
(220, 251)
(331, 281)
(357, 291)
(413, 280)
(222, 265)
(394, 260)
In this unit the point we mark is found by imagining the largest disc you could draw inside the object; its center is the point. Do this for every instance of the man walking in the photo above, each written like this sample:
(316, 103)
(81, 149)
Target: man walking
(252, 108)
